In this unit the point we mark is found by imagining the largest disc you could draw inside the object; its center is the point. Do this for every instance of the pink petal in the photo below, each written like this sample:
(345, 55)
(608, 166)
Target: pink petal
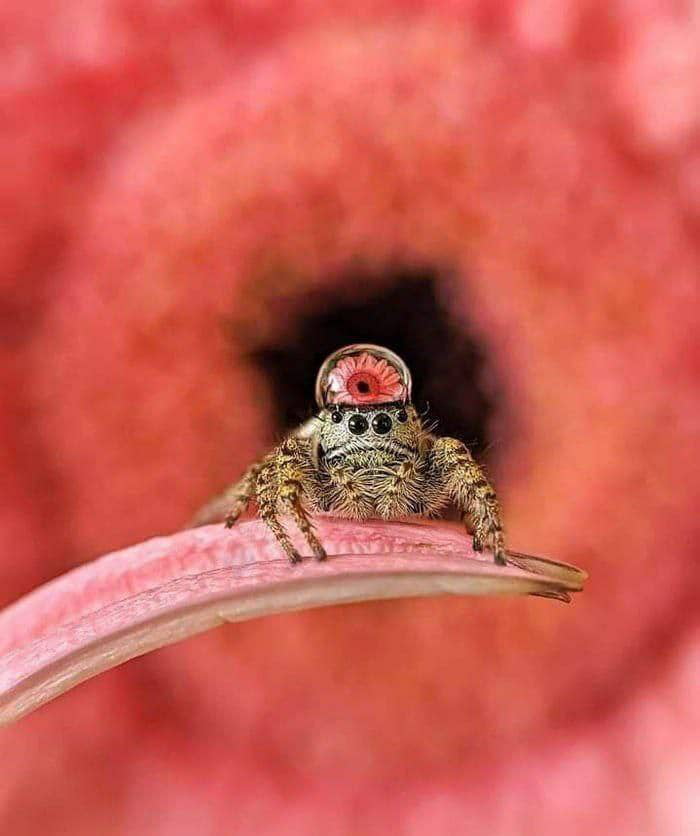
(335, 382)
(156, 593)
(396, 390)
(343, 397)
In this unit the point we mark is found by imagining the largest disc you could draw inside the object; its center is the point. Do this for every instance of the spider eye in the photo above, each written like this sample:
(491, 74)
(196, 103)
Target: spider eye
(337, 416)
(381, 423)
(358, 424)
(402, 416)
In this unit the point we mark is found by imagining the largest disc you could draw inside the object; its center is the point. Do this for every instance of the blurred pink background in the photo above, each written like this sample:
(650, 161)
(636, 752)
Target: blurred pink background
(190, 191)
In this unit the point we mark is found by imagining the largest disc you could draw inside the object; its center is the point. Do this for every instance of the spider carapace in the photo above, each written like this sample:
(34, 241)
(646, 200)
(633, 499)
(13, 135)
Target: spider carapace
(366, 453)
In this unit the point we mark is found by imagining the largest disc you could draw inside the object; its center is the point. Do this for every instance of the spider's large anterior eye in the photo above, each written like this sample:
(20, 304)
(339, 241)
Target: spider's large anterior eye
(381, 423)
(358, 424)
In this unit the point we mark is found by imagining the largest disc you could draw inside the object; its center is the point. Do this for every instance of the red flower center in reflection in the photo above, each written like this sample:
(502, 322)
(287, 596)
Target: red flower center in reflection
(362, 385)
(365, 379)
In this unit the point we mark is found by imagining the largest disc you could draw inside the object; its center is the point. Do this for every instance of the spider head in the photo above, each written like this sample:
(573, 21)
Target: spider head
(391, 427)
(364, 393)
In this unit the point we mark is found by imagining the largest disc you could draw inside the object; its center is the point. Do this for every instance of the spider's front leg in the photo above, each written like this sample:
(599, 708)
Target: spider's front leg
(403, 490)
(281, 483)
(472, 494)
(240, 494)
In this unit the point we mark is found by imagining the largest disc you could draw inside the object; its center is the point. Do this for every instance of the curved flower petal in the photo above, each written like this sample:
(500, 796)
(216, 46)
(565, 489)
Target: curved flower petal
(159, 592)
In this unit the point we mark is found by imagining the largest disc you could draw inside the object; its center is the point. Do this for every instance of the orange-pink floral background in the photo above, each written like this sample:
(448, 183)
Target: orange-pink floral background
(169, 167)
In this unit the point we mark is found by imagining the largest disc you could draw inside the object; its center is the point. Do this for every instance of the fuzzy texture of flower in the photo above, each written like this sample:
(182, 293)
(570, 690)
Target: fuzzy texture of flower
(200, 164)
(364, 379)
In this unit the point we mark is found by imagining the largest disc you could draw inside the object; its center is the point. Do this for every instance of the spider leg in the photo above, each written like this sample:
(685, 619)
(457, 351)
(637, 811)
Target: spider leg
(267, 495)
(240, 494)
(347, 495)
(281, 482)
(472, 494)
(290, 493)
(401, 491)
(269, 516)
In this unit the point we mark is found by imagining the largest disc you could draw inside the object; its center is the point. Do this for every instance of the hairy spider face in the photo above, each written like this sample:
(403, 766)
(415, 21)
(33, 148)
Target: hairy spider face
(389, 427)
(364, 393)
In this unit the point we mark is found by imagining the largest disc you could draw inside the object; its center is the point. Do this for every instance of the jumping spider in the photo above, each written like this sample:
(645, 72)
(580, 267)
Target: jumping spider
(365, 454)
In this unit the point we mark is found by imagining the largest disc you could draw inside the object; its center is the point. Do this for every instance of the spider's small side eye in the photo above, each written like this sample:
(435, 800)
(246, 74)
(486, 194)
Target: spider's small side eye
(402, 416)
(336, 416)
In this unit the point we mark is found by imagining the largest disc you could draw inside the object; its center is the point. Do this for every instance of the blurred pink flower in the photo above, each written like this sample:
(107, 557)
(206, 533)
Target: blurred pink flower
(186, 181)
